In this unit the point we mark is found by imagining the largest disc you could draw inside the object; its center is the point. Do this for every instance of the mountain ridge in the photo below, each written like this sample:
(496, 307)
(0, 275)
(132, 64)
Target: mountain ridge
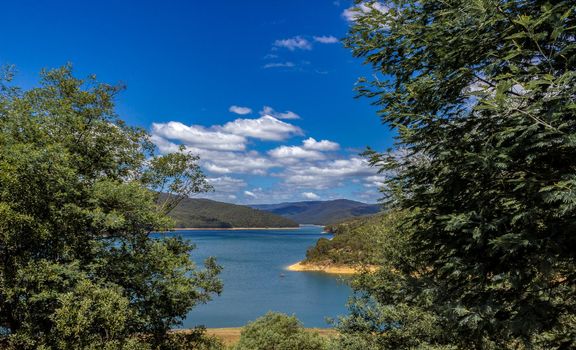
(320, 212)
(207, 213)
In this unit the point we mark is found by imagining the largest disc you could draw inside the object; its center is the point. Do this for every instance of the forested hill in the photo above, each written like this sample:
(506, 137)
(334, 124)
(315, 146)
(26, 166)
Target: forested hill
(357, 241)
(320, 212)
(205, 213)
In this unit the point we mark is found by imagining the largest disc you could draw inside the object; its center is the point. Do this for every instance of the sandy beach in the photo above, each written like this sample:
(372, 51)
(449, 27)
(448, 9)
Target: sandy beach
(328, 268)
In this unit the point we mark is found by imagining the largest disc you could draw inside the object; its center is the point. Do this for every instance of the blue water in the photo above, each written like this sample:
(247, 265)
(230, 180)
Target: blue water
(255, 279)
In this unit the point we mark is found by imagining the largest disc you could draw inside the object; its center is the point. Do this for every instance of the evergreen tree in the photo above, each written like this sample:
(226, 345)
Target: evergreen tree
(482, 94)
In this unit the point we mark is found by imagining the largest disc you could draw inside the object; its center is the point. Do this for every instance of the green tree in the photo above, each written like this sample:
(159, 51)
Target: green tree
(279, 332)
(482, 95)
(78, 201)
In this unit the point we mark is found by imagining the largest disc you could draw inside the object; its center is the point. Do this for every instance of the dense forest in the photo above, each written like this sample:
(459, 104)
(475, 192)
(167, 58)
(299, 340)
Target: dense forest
(357, 241)
(205, 213)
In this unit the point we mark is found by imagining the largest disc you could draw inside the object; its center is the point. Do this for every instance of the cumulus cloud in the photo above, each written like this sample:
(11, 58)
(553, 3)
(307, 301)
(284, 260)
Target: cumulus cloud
(263, 128)
(250, 194)
(377, 181)
(250, 162)
(198, 136)
(279, 65)
(295, 43)
(289, 153)
(228, 137)
(238, 164)
(310, 150)
(327, 174)
(164, 146)
(267, 110)
(326, 39)
(323, 145)
(222, 162)
(240, 110)
(310, 195)
(226, 184)
(299, 169)
(353, 13)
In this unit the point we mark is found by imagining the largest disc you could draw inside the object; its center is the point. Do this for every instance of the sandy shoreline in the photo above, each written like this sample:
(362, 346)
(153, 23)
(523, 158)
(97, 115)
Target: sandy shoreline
(332, 269)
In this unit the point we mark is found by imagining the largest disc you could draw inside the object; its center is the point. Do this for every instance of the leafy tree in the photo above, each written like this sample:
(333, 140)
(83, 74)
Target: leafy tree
(280, 332)
(483, 96)
(77, 204)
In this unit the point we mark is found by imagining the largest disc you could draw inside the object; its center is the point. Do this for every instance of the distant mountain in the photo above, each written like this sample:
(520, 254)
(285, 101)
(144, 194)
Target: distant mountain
(205, 213)
(320, 212)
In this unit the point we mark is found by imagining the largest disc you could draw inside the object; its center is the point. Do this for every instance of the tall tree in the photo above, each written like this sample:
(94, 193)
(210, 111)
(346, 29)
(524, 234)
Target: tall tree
(482, 94)
(78, 192)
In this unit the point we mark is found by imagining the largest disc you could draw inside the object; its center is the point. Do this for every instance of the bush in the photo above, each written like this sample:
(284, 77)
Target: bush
(279, 332)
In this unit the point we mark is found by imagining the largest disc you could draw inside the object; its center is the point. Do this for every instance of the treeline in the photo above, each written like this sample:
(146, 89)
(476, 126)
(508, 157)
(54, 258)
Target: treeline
(356, 241)
(205, 213)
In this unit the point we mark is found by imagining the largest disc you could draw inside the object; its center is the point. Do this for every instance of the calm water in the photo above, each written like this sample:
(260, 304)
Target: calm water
(253, 263)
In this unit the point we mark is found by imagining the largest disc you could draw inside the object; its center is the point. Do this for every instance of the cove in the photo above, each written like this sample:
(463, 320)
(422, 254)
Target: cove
(255, 279)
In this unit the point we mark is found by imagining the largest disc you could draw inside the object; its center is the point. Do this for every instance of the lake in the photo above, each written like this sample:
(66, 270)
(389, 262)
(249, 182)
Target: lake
(255, 279)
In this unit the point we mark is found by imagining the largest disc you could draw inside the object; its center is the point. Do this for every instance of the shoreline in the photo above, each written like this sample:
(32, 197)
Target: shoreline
(330, 269)
(230, 228)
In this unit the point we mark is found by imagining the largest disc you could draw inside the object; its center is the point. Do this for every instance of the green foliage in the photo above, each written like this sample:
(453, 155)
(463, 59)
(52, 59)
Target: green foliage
(280, 332)
(357, 241)
(194, 339)
(77, 204)
(205, 213)
(482, 94)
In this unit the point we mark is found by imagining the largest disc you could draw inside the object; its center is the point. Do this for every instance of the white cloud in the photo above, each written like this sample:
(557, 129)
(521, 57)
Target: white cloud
(164, 146)
(228, 137)
(310, 150)
(240, 110)
(326, 39)
(263, 128)
(267, 110)
(377, 181)
(310, 195)
(279, 65)
(198, 136)
(222, 162)
(239, 164)
(323, 145)
(353, 13)
(250, 194)
(295, 43)
(250, 162)
(289, 153)
(327, 174)
(303, 168)
(226, 184)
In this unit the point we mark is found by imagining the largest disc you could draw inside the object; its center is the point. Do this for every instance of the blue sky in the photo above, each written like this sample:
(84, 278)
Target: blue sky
(262, 90)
